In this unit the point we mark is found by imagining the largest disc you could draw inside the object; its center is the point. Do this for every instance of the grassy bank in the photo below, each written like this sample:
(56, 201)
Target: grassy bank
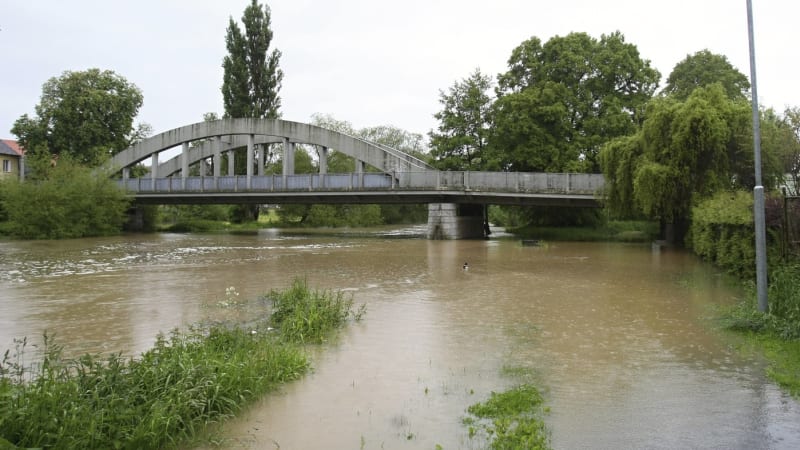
(171, 393)
(612, 231)
(777, 333)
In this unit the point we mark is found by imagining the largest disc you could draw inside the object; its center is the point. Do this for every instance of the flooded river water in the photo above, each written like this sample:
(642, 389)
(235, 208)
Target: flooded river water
(619, 337)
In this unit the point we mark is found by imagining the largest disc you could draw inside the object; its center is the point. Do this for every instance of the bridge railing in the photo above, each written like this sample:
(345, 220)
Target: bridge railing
(562, 183)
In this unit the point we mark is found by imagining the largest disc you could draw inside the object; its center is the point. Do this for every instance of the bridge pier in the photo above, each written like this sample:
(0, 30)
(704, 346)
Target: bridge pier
(456, 221)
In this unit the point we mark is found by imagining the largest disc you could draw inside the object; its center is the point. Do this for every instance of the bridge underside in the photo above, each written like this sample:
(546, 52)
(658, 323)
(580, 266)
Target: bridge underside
(368, 197)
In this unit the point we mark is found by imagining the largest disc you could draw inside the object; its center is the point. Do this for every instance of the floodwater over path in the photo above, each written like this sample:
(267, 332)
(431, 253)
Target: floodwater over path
(618, 337)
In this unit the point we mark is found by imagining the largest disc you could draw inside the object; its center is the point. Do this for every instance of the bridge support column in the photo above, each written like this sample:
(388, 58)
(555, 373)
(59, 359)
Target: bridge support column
(217, 161)
(360, 171)
(231, 166)
(184, 164)
(288, 157)
(153, 170)
(322, 152)
(456, 221)
(260, 153)
(250, 145)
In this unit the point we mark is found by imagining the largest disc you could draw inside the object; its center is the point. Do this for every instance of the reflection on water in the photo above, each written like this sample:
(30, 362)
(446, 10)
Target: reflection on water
(618, 335)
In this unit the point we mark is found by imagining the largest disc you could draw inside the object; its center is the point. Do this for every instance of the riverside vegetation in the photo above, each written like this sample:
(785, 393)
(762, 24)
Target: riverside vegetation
(172, 393)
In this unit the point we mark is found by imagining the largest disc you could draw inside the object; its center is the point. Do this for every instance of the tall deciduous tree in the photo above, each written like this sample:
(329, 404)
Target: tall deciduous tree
(560, 102)
(703, 69)
(464, 124)
(86, 115)
(252, 78)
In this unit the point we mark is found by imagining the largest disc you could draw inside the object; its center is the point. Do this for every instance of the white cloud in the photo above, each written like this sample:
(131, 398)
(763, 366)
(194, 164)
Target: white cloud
(368, 62)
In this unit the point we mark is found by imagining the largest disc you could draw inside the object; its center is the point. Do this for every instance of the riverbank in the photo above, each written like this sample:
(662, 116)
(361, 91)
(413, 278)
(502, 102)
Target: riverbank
(777, 333)
(170, 394)
(612, 231)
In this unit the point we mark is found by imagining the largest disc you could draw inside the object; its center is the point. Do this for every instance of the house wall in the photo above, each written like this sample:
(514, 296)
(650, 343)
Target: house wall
(13, 165)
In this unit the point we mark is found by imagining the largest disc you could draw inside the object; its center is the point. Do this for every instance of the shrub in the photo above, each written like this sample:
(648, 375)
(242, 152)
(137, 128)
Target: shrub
(70, 201)
(722, 232)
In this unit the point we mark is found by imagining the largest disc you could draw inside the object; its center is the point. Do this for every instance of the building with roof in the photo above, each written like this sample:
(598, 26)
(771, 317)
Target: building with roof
(11, 159)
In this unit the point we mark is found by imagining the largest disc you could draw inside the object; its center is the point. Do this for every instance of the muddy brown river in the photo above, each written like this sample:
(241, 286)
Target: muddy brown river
(620, 338)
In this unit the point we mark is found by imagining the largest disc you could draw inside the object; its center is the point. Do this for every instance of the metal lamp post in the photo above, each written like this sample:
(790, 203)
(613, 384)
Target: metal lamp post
(758, 190)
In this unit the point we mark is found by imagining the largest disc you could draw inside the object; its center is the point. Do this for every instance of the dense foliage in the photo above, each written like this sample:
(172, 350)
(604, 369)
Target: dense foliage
(704, 69)
(461, 139)
(722, 232)
(66, 201)
(560, 101)
(252, 78)
(685, 151)
(87, 116)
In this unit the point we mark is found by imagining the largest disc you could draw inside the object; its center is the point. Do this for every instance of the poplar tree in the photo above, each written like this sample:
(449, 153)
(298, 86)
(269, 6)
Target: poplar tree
(252, 78)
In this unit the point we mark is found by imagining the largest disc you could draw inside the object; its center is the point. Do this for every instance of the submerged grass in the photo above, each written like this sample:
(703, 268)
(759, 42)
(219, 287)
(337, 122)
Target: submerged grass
(186, 382)
(304, 315)
(511, 419)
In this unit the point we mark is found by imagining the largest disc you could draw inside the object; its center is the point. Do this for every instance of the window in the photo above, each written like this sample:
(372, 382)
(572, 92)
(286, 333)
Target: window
(6, 165)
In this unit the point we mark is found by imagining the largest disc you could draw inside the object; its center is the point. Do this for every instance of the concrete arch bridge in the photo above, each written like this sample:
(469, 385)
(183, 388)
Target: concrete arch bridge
(380, 174)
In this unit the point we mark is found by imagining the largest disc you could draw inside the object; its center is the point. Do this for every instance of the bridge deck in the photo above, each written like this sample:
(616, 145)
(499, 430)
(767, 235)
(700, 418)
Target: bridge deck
(506, 188)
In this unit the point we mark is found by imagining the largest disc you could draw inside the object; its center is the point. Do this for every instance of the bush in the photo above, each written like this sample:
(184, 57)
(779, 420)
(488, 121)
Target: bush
(722, 232)
(70, 201)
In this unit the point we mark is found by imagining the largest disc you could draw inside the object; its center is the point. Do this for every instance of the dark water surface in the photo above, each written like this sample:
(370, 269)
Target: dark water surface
(619, 337)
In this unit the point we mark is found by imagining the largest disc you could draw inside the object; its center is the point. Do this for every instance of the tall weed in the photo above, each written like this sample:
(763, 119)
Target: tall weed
(186, 382)
(308, 316)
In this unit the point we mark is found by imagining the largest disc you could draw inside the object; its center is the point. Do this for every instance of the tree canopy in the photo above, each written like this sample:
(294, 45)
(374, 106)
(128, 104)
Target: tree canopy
(462, 136)
(703, 69)
(559, 102)
(85, 115)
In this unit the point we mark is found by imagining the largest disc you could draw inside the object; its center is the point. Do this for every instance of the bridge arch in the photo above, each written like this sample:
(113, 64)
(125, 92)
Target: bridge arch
(227, 134)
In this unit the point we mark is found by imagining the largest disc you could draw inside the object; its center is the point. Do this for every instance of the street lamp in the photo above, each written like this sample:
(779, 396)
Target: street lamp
(758, 190)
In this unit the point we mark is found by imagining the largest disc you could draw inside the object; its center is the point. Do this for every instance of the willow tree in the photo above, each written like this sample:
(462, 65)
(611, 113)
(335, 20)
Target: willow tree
(685, 151)
(251, 80)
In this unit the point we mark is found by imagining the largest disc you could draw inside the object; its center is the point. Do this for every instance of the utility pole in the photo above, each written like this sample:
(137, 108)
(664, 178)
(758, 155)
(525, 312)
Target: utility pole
(758, 190)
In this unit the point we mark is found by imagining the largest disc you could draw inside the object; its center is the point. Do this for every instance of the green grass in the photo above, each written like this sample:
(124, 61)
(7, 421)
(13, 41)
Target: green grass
(172, 393)
(777, 333)
(511, 419)
(305, 315)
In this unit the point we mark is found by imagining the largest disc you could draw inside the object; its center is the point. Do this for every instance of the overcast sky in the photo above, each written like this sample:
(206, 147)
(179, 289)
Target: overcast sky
(370, 62)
